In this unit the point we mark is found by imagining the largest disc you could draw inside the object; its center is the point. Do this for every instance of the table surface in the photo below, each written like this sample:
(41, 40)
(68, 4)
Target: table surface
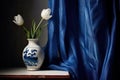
(24, 73)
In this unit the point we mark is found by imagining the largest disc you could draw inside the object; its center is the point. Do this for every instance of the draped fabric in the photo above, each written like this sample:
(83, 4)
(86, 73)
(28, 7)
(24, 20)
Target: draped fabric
(81, 37)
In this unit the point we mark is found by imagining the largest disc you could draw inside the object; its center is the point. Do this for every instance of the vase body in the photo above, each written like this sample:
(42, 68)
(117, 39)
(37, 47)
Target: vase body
(33, 55)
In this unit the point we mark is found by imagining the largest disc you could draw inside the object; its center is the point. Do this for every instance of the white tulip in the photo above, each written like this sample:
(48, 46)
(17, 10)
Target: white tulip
(18, 20)
(45, 14)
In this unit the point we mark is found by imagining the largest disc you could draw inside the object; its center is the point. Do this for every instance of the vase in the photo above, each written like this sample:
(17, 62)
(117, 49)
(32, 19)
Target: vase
(33, 55)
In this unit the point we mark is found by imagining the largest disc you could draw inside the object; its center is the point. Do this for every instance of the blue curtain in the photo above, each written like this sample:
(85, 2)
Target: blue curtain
(81, 37)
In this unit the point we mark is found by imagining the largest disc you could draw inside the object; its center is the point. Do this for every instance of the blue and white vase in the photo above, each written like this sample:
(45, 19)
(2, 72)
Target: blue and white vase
(33, 55)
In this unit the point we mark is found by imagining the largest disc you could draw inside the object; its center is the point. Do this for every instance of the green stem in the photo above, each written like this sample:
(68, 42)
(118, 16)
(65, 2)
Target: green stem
(38, 25)
(27, 32)
(25, 29)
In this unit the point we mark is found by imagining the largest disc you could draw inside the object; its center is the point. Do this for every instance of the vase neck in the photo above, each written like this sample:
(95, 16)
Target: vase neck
(32, 41)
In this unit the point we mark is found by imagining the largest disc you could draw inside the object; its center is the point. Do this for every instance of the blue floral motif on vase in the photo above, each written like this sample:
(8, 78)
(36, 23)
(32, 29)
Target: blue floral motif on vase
(30, 57)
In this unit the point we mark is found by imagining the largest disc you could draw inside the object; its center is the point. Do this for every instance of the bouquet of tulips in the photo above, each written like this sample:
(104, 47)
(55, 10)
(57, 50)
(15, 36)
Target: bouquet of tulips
(35, 30)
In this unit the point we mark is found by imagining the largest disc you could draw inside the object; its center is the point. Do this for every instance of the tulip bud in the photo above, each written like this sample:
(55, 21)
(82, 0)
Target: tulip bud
(18, 20)
(45, 14)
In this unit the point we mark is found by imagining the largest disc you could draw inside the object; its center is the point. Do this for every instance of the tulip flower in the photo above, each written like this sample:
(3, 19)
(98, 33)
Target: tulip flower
(45, 14)
(18, 20)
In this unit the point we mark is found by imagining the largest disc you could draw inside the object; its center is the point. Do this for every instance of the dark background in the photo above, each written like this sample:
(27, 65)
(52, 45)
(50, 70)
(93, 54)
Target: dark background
(13, 39)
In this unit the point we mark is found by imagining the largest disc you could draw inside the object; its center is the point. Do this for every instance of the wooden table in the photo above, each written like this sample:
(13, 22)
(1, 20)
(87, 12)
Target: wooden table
(22, 73)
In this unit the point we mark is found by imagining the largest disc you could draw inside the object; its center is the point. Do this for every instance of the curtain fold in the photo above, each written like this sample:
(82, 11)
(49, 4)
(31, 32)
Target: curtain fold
(81, 36)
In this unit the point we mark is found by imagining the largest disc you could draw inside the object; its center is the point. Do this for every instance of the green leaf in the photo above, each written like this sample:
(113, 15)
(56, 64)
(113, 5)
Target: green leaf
(27, 32)
(33, 29)
(33, 26)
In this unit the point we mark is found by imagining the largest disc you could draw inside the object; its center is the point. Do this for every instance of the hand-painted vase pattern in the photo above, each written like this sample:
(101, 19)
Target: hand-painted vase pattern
(30, 57)
(33, 55)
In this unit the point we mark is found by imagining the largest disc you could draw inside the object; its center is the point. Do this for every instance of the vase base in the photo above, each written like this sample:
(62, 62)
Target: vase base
(32, 69)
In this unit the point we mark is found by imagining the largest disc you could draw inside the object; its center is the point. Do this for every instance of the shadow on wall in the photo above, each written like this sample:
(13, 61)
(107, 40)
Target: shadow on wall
(13, 37)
